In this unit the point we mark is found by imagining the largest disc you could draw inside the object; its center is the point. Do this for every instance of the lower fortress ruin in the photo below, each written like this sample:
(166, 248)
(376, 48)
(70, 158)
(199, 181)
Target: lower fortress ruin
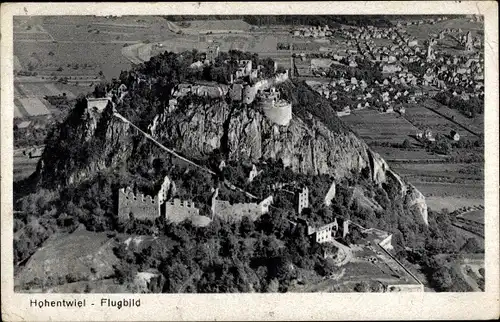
(139, 206)
(235, 212)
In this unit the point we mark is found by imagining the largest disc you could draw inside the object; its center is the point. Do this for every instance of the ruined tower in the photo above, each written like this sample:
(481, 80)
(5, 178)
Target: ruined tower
(468, 42)
(303, 199)
(430, 50)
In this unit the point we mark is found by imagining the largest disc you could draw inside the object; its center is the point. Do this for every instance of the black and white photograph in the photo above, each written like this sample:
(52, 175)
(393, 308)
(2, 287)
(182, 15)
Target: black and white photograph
(216, 154)
(223, 153)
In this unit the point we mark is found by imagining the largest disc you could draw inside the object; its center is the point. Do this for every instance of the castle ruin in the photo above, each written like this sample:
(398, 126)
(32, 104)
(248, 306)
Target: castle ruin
(235, 212)
(327, 233)
(468, 42)
(98, 104)
(136, 206)
(303, 200)
(276, 109)
(330, 195)
(177, 211)
(139, 206)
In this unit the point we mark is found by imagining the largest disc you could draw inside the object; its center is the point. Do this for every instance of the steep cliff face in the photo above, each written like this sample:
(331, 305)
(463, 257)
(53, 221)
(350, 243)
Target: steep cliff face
(241, 132)
(87, 143)
(307, 146)
(245, 133)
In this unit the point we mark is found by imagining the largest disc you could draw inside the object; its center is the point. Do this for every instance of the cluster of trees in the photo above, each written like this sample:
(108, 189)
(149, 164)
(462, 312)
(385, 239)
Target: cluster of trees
(316, 20)
(261, 256)
(29, 136)
(469, 108)
(406, 144)
(444, 145)
(305, 101)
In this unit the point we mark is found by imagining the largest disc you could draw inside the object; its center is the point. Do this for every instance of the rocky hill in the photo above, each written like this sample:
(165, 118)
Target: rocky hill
(314, 142)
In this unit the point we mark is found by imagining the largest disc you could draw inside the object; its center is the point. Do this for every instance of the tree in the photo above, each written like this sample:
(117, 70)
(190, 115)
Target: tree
(362, 287)
(100, 90)
(471, 246)
(406, 144)
(442, 278)
(246, 227)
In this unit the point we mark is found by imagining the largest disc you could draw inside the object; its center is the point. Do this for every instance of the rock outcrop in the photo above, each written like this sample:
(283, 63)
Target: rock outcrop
(242, 132)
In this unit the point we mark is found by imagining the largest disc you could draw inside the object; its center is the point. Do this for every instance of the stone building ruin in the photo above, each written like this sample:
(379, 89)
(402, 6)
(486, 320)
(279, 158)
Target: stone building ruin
(303, 199)
(136, 206)
(140, 206)
(329, 232)
(468, 42)
(98, 104)
(235, 212)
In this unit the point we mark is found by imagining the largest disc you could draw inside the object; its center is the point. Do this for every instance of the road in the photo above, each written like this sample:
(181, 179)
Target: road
(345, 250)
(118, 115)
(471, 281)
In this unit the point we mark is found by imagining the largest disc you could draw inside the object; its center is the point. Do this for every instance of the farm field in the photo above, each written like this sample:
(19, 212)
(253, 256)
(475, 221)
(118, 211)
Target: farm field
(195, 26)
(475, 124)
(475, 215)
(49, 57)
(72, 91)
(424, 118)
(440, 170)
(450, 195)
(32, 36)
(23, 166)
(28, 100)
(421, 32)
(29, 97)
(371, 126)
(397, 154)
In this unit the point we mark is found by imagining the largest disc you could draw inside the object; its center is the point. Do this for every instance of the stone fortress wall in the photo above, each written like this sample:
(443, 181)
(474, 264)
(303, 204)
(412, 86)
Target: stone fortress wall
(138, 205)
(148, 207)
(177, 211)
(279, 113)
(236, 212)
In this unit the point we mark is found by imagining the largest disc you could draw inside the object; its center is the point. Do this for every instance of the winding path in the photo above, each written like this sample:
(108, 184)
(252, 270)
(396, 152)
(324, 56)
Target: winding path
(148, 136)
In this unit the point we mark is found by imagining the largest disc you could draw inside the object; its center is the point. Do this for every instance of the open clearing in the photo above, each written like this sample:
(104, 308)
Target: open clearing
(451, 196)
(47, 58)
(34, 106)
(28, 100)
(24, 166)
(475, 215)
(439, 170)
(425, 118)
(58, 260)
(372, 125)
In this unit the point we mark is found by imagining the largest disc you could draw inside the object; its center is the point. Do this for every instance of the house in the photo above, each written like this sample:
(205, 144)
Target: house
(455, 136)
(428, 135)
(23, 124)
(212, 52)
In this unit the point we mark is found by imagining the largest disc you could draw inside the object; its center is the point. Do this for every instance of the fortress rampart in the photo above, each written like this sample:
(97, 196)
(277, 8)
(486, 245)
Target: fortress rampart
(279, 112)
(138, 205)
(236, 212)
(177, 211)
